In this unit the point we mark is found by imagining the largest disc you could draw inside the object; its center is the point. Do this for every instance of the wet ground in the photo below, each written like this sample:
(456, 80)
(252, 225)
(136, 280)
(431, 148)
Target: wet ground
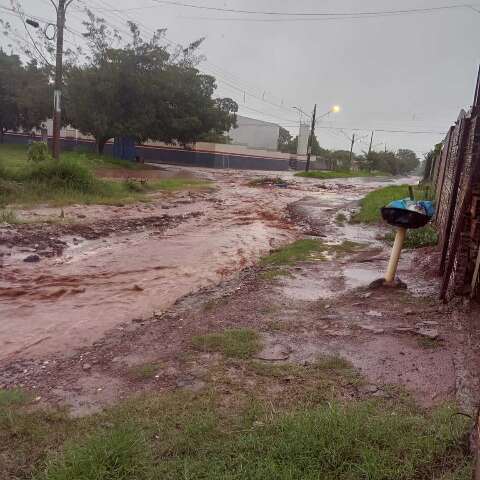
(116, 287)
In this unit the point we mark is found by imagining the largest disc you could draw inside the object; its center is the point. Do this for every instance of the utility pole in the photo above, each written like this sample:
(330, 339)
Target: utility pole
(57, 92)
(351, 148)
(371, 142)
(310, 139)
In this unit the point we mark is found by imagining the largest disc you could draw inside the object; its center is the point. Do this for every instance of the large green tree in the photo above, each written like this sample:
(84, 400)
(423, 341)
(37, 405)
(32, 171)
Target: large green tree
(25, 100)
(142, 90)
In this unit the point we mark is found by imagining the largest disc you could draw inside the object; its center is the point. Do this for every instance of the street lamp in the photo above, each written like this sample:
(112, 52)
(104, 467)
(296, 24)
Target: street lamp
(334, 109)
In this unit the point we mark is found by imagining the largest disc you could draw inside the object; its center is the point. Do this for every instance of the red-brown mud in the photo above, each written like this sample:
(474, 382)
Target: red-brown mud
(72, 326)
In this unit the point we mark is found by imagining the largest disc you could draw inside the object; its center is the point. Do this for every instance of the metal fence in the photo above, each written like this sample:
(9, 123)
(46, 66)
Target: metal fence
(456, 178)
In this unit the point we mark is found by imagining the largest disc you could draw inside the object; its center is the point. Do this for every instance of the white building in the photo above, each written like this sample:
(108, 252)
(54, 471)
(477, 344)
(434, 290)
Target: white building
(254, 133)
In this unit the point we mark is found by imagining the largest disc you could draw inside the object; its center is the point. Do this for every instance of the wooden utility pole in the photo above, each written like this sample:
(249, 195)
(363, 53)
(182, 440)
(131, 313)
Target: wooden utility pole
(351, 148)
(57, 92)
(310, 139)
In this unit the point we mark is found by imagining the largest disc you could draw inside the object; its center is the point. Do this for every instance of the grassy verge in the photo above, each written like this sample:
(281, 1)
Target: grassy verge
(371, 204)
(326, 174)
(73, 180)
(206, 436)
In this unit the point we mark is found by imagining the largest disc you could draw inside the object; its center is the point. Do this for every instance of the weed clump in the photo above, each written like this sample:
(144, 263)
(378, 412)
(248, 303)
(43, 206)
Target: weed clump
(241, 343)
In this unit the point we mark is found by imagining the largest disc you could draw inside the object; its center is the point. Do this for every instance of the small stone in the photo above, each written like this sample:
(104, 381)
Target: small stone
(374, 313)
(431, 333)
(408, 312)
(86, 366)
(137, 288)
(32, 258)
(81, 215)
(37, 399)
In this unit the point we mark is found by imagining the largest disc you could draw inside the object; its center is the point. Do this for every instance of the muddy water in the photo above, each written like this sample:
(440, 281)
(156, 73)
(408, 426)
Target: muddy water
(62, 303)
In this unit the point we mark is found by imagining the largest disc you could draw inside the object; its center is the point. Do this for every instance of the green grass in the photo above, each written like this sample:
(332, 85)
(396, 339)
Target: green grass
(332, 442)
(13, 396)
(73, 180)
(241, 343)
(259, 182)
(371, 204)
(144, 371)
(298, 251)
(226, 432)
(417, 238)
(8, 216)
(122, 453)
(276, 264)
(326, 174)
(340, 219)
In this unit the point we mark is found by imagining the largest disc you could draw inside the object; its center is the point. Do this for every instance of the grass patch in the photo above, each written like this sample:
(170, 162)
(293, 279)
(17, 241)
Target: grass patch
(298, 251)
(333, 363)
(144, 371)
(371, 204)
(72, 179)
(241, 343)
(340, 219)
(13, 396)
(275, 264)
(9, 216)
(122, 453)
(416, 238)
(267, 181)
(326, 174)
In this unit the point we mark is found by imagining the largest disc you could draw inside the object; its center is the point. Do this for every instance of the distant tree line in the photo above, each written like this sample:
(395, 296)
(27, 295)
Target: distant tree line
(396, 163)
(136, 88)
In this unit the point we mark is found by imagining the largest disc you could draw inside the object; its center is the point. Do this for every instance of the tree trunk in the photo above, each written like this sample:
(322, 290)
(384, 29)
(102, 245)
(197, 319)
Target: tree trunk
(101, 145)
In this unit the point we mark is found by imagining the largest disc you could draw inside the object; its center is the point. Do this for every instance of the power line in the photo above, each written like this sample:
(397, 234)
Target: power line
(21, 16)
(306, 14)
(220, 77)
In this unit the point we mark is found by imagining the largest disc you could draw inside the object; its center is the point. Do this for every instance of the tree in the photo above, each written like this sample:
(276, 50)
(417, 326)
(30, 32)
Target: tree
(143, 91)
(429, 162)
(284, 139)
(407, 161)
(10, 67)
(24, 94)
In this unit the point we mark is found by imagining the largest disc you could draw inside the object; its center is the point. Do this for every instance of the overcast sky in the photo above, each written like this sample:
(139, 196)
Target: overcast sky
(399, 72)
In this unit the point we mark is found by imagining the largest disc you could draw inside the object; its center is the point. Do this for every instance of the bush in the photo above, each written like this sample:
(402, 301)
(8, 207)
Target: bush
(38, 152)
(64, 173)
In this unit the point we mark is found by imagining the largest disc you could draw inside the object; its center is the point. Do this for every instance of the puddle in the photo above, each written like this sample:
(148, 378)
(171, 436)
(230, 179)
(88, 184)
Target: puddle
(356, 277)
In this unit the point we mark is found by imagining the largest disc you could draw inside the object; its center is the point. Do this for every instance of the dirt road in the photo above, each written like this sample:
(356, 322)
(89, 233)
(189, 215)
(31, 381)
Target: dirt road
(132, 285)
(120, 272)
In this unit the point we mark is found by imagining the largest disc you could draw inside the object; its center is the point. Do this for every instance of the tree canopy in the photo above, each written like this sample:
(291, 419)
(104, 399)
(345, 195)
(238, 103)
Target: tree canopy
(142, 90)
(25, 94)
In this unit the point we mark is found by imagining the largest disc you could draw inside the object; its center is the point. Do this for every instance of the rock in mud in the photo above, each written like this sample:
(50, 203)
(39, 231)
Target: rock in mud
(32, 258)
(431, 333)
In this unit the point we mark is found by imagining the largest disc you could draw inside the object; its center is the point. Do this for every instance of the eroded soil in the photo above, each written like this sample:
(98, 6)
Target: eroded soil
(134, 296)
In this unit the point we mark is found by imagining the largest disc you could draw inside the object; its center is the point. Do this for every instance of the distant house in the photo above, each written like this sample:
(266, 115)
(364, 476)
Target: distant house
(254, 133)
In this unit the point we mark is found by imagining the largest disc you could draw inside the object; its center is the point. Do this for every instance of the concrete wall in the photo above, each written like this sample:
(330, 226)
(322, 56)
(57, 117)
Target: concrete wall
(255, 133)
